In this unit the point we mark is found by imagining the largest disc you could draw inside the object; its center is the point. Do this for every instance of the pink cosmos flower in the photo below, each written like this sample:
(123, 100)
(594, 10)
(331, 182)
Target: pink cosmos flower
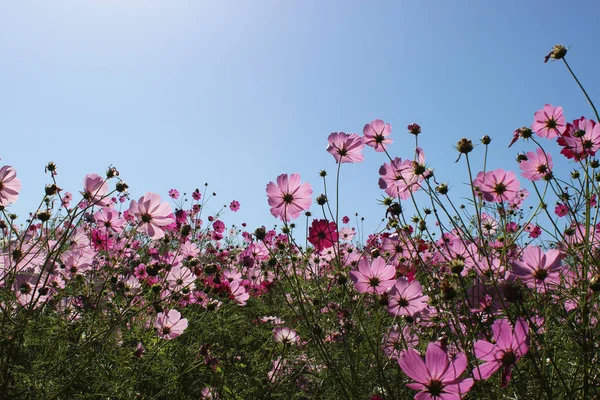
(537, 269)
(322, 234)
(345, 147)
(373, 277)
(288, 198)
(549, 122)
(406, 298)
(537, 165)
(399, 178)
(174, 194)
(580, 139)
(286, 335)
(152, 214)
(109, 219)
(169, 324)
(376, 135)
(497, 185)
(561, 210)
(234, 206)
(438, 377)
(509, 347)
(196, 195)
(180, 279)
(10, 185)
(95, 190)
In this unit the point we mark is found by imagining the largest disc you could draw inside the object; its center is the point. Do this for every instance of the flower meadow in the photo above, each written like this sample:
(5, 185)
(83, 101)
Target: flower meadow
(107, 295)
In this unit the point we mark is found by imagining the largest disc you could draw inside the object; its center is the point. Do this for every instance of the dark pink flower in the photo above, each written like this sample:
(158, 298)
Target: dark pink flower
(10, 185)
(580, 139)
(288, 198)
(345, 147)
(437, 378)
(196, 195)
(561, 210)
(152, 214)
(234, 206)
(322, 234)
(510, 345)
(174, 194)
(345, 219)
(376, 135)
(373, 277)
(169, 324)
(549, 122)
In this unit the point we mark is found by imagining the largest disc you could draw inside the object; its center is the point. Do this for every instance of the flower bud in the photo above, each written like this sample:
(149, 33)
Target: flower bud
(486, 140)
(464, 146)
(414, 129)
(558, 52)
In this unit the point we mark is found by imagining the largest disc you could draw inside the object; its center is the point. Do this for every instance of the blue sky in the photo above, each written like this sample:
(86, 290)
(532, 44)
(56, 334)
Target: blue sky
(234, 93)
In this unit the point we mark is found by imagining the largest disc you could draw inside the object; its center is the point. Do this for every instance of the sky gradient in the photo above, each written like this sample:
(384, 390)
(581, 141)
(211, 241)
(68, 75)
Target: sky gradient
(234, 93)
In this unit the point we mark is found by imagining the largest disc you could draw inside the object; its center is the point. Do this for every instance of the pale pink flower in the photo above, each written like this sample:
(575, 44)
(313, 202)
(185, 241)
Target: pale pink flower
(10, 185)
(376, 135)
(536, 165)
(288, 198)
(345, 147)
(538, 269)
(549, 122)
(399, 178)
(286, 335)
(169, 324)
(152, 214)
(180, 278)
(95, 190)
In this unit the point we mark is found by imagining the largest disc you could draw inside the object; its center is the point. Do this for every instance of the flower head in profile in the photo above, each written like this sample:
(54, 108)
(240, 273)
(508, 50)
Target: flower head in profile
(345, 147)
(152, 214)
(322, 234)
(169, 324)
(549, 122)
(95, 190)
(10, 185)
(373, 276)
(437, 378)
(286, 335)
(510, 345)
(288, 198)
(376, 135)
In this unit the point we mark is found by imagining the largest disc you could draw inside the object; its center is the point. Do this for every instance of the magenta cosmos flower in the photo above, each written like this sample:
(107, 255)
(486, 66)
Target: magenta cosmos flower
(152, 214)
(406, 298)
(537, 165)
(288, 198)
(373, 277)
(322, 234)
(497, 185)
(438, 377)
(10, 185)
(580, 139)
(549, 122)
(509, 347)
(169, 324)
(376, 135)
(537, 269)
(345, 147)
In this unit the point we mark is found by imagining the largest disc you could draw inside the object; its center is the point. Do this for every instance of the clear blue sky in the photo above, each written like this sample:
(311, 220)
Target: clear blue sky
(234, 93)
